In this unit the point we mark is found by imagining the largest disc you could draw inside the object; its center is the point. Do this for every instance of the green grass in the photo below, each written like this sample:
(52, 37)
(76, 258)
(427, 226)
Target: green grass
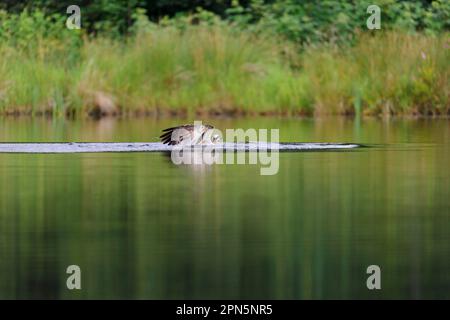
(219, 70)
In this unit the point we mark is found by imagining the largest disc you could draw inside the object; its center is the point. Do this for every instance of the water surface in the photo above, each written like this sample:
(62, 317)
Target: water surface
(141, 227)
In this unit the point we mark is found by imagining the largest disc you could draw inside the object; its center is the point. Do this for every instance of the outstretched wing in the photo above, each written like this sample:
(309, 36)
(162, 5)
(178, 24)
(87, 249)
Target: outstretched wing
(175, 135)
(188, 133)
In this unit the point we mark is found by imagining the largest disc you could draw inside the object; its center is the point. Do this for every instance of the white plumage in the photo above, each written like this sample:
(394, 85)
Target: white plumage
(189, 135)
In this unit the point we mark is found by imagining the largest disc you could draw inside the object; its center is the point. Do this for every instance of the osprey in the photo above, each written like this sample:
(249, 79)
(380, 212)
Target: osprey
(189, 134)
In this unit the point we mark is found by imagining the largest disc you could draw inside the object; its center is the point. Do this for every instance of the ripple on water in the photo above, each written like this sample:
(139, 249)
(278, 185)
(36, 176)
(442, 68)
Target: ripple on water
(159, 147)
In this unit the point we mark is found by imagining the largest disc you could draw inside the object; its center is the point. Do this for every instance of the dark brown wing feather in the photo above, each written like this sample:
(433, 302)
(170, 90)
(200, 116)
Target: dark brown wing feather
(166, 137)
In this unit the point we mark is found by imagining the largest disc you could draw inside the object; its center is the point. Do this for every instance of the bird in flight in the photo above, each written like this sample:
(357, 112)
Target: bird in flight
(189, 134)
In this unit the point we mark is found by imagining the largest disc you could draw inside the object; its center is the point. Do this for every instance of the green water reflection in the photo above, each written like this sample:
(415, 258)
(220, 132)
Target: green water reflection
(141, 227)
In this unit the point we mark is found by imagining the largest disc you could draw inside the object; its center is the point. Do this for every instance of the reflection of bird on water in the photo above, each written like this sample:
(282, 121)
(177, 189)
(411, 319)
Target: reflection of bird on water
(189, 135)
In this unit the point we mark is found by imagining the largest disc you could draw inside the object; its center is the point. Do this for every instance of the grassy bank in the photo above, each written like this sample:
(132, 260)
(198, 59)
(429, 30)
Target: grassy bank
(217, 69)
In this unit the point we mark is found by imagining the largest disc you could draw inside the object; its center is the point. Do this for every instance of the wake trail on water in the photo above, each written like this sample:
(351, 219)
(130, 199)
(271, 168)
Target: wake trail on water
(97, 147)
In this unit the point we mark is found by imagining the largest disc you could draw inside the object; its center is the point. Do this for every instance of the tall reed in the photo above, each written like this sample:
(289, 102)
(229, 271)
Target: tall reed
(218, 69)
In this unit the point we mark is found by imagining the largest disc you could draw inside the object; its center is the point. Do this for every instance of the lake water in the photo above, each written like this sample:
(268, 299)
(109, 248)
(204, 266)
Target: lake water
(141, 227)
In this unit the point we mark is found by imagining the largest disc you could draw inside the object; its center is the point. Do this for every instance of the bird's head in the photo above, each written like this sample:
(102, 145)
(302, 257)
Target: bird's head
(215, 138)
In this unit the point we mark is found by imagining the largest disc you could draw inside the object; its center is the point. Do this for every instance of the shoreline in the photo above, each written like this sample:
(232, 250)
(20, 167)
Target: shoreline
(213, 72)
(153, 114)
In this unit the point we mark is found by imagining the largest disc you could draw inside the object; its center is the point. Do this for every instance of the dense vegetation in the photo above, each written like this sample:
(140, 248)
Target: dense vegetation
(257, 56)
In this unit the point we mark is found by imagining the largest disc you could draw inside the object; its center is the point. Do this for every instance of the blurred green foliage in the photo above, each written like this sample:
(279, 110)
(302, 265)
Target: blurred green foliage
(301, 21)
(226, 56)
